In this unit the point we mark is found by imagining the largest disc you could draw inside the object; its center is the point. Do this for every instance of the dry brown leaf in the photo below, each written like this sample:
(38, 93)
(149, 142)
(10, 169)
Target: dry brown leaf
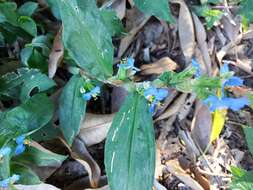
(158, 186)
(94, 128)
(81, 154)
(201, 39)
(186, 31)
(202, 127)
(42, 186)
(158, 67)
(174, 108)
(120, 8)
(56, 55)
(126, 41)
(173, 167)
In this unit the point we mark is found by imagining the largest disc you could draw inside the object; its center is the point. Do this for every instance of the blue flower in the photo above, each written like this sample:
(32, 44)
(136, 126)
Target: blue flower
(93, 93)
(224, 69)
(225, 102)
(5, 151)
(197, 68)
(11, 180)
(233, 81)
(20, 148)
(129, 65)
(155, 95)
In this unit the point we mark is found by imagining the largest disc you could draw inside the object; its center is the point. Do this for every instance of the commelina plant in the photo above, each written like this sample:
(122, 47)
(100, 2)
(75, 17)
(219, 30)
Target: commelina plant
(86, 35)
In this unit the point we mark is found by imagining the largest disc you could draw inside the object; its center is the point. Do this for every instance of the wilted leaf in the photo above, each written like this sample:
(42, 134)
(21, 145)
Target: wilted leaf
(56, 55)
(94, 128)
(151, 7)
(130, 147)
(71, 108)
(219, 118)
(81, 154)
(86, 37)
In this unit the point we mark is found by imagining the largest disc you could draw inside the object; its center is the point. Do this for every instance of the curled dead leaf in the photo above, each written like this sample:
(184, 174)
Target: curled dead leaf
(158, 67)
(56, 54)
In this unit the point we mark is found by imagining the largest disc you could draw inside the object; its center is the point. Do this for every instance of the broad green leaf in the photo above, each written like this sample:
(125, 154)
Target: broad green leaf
(28, 8)
(31, 115)
(160, 9)
(71, 108)
(112, 22)
(46, 133)
(39, 156)
(243, 181)
(219, 118)
(4, 166)
(86, 37)
(28, 24)
(130, 147)
(20, 84)
(1, 40)
(54, 8)
(27, 176)
(246, 7)
(248, 131)
(7, 13)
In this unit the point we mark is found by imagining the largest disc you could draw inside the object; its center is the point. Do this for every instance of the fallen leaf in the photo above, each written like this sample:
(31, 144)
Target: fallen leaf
(219, 118)
(81, 154)
(36, 187)
(174, 168)
(201, 39)
(202, 127)
(158, 186)
(94, 128)
(120, 8)
(185, 23)
(158, 67)
(56, 55)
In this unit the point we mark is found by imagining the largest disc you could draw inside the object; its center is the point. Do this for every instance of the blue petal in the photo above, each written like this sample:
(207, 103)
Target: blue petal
(214, 103)
(224, 69)
(152, 108)
(87, 96)
(235, 103)
(19, 149)
(14, 178)
(20, 139)
(150, 92)
(95, 90)
(161, 94)
(130, 62)
(233, 81)
(5, 183)
(5, 151)
(197, 68)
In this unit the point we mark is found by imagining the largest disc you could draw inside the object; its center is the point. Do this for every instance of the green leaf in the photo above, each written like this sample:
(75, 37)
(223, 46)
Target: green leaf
(243, 180)
(7, 13)
(27, 176)
(4, 166)
(130, 147)
(54, 7)
(71, 108)
(246, 7)
(46, 133)
(28, 8)
(28, 24)
(20, 84)
(39, 156)
(160, 9)
(2, 42)
(86, 37)
(33, 114)
(112, 22)
(248, 131)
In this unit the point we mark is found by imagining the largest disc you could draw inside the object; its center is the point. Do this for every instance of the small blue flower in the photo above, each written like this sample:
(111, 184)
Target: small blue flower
(20, 139)
(19, 149)
(155, 95)
(197, 68)
(225, 102)
(233, 81)
(11, 180)
(129, 65)
(224, 69)
(5, 151)
(93, 93)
